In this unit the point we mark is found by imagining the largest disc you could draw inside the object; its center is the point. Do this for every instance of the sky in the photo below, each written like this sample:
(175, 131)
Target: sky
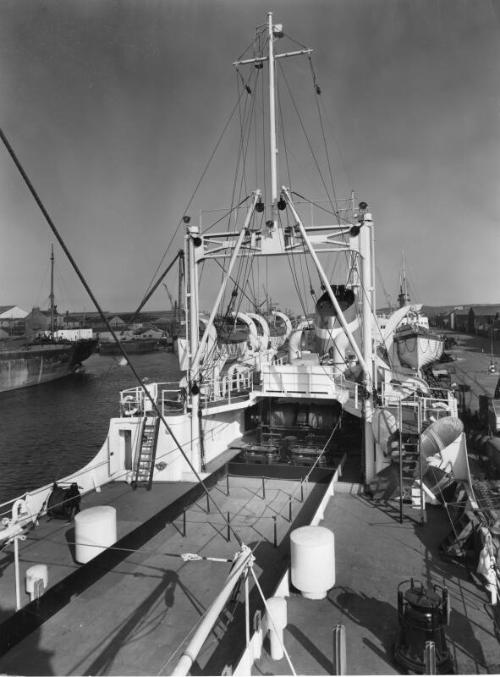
(114, 107)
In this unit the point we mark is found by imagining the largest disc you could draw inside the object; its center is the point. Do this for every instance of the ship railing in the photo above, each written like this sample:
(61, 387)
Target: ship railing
(356, 391)
(170, 398)
(317, 381)
(228, 389)
(436, 405)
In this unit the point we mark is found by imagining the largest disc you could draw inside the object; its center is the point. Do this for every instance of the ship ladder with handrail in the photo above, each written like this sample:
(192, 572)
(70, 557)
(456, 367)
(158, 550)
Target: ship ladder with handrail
(410, 465)
(147, 453)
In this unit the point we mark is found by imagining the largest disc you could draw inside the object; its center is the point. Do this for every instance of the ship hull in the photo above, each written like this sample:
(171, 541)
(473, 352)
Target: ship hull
(35, 364)
(416, 349)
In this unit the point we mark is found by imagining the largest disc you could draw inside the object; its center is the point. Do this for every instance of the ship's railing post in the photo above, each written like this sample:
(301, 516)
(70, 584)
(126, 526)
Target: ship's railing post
(16, 566)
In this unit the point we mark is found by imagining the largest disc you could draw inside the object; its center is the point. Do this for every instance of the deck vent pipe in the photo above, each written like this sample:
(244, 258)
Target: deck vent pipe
(95, 530)
(312, 570)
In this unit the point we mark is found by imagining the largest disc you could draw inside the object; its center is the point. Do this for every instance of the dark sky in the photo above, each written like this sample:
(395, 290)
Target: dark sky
(114, 107)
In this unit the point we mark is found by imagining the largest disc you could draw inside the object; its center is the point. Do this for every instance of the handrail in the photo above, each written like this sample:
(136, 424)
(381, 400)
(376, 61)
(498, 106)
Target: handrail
(243, 560)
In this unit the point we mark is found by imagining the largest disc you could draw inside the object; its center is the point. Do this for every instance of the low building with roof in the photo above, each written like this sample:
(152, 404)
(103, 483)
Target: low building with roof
(473, 319)
(12, 320)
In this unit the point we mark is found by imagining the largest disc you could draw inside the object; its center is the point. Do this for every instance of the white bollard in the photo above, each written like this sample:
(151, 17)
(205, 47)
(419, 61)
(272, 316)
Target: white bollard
(276, 619)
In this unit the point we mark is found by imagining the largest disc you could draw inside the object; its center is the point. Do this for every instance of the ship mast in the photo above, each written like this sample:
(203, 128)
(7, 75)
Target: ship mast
(51, 297)
(272, 116)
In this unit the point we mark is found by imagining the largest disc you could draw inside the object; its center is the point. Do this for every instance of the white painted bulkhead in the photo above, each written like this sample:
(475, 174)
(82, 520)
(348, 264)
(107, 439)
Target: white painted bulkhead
(124, 436)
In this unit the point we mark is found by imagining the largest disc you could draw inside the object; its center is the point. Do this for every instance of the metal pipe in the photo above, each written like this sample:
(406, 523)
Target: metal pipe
(339, 650)
(16, 566)
(328, 289)
(243, 560)
(150, 293)
(197, 358)
(247, 612)
(272, 120)
(366, 282)
(430, 658)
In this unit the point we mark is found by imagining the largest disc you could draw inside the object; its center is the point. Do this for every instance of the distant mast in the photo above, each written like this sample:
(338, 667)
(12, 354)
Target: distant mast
(403, 296)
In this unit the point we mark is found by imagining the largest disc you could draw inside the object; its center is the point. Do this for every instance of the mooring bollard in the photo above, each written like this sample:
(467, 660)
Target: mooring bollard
(339, 650)
(276, 621)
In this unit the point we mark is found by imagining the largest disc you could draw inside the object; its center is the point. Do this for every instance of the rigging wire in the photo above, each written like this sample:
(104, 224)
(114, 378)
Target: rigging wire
(89, 291)
(202, 176)
(325, 145)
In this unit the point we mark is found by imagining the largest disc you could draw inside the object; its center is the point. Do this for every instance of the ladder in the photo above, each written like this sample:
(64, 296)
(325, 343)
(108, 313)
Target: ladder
(410, 463)
(147, 453)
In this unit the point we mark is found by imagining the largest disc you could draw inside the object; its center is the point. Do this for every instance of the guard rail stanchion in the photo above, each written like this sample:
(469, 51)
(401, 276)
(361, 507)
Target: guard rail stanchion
(275, 530)
(208, 503)
(290, 509)
(339, 650)
(228, 527)
(16, 567)
(264, 488)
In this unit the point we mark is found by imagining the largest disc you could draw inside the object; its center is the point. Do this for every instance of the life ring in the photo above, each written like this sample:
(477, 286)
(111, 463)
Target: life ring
(19, 509)
(129, 405)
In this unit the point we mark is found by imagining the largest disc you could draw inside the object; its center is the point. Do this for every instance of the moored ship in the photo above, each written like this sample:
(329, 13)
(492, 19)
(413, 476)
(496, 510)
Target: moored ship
(47, 356)
(29, 364)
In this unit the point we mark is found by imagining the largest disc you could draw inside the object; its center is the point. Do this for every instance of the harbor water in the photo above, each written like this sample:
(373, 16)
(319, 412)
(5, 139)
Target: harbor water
(51, 430)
